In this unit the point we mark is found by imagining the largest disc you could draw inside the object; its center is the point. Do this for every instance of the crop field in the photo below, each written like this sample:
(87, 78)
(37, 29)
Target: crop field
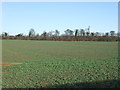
(56, 64)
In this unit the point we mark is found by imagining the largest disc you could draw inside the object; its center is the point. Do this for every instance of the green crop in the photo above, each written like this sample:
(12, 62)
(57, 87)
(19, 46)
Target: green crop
(59, 64)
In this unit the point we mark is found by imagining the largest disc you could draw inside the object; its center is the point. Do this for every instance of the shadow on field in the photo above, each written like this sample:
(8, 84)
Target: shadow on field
(101, 84)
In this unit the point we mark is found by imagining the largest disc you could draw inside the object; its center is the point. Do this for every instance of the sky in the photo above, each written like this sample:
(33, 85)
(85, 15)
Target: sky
(20, 17)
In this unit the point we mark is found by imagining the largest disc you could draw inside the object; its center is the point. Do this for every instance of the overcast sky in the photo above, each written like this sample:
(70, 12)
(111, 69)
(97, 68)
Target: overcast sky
(20, 17)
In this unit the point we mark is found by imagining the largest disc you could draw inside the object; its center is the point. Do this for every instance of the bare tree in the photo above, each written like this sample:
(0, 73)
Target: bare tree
(92, 33)
(82, 32)
(69, 32)
(88, 31)
(44, 34)
(57, 32)
(4, 34)
(107, 34)
(76, 32)
(31, 32)
(50, 33)
(19, 35)
(112, 33)
(37, 35)
(97, 34)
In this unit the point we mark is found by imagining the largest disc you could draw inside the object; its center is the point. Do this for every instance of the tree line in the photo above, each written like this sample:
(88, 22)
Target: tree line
(69, 35)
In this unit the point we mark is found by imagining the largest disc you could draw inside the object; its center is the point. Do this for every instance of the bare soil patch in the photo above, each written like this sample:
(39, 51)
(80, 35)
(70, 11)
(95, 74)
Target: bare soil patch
(2, 72)
(9, 64)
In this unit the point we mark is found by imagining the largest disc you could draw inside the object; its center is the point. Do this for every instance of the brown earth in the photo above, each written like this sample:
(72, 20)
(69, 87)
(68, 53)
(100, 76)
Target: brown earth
(9, 64)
